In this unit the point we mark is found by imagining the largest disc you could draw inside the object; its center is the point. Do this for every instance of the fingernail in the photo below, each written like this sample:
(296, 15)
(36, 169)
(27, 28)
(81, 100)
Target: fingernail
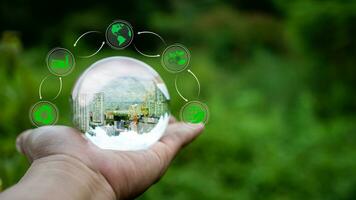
(197, 126)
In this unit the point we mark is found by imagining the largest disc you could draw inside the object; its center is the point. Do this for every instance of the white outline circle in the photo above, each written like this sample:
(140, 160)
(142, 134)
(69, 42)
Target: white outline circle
(47, 61)
(48, 102)
(130, 27)
(198, 102)
(181, 46)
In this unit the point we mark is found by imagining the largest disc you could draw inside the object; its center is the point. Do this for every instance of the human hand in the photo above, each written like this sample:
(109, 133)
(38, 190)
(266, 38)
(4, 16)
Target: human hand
(125, 173)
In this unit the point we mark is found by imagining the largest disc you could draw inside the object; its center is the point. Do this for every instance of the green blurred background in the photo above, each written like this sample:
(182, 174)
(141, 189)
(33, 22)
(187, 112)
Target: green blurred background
(278, 77)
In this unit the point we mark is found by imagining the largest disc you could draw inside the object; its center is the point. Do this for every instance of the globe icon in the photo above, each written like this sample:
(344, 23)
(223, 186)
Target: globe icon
(115, 30)
(121, 103)
(119, 34)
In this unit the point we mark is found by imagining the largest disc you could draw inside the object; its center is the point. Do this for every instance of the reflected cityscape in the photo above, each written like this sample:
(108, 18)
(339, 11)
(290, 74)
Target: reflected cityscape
(116, 111)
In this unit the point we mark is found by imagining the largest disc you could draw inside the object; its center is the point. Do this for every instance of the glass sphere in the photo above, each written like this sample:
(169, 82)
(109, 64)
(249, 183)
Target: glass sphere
(120, 103)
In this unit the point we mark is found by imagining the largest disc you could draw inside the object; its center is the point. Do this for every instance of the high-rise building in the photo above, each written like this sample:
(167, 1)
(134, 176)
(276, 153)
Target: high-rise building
(81, 112)
(155, 102)
(160, 102)
(98, 109)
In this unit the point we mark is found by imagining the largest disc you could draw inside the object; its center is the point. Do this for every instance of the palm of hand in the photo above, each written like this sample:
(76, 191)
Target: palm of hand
(128, 172)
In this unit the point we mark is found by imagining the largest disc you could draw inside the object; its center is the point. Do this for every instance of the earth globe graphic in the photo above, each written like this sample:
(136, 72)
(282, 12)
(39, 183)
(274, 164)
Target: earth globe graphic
(120, 103)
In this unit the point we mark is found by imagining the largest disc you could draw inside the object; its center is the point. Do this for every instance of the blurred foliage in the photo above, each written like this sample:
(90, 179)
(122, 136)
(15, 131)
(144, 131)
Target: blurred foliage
(278, 77)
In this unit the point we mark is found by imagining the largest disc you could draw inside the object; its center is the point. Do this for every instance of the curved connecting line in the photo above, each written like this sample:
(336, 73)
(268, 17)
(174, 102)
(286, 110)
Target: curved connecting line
(75, 43)
(153, 33)
(102, 44)
(60, 88)
(175, 84)
(40, 88)
(151, 56)
(196, 80)
(97, 51)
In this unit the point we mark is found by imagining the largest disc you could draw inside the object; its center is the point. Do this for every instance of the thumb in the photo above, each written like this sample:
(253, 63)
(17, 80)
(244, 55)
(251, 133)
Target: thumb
(49, 140)
(180, 134)
(177, 136)
(24, 144)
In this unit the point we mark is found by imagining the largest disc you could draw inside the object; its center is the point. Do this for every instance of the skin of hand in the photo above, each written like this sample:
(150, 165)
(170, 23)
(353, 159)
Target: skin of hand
(66, 165)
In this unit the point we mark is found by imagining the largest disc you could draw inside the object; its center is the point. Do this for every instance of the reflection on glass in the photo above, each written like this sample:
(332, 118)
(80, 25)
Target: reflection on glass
(121, 103)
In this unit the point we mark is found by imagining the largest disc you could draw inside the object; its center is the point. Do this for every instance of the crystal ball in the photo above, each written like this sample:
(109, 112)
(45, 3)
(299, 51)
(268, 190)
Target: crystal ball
(120, 103)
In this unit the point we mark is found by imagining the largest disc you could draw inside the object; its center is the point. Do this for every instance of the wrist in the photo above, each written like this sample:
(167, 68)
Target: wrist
(62, 177)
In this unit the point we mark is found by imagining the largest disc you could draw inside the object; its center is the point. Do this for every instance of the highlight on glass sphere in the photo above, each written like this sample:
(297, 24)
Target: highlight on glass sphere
(121, 103)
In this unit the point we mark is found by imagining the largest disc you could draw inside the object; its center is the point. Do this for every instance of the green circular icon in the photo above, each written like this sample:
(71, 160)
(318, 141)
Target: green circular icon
(119, 34)
(43, 113)
(60, 61)
(175, 58)
(194, 112)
